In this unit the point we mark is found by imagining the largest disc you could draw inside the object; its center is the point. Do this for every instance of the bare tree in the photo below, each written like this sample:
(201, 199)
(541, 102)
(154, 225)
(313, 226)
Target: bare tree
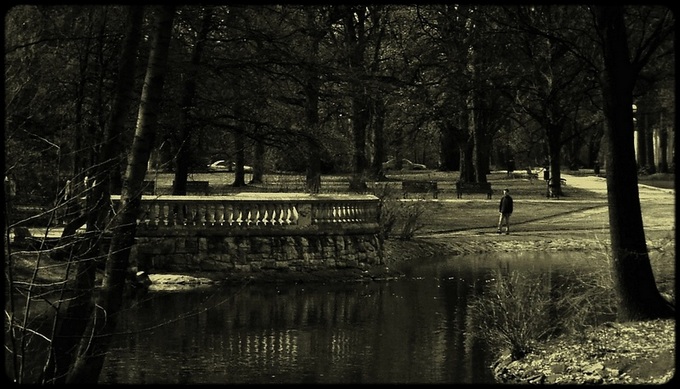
(638, 296)
(92, 350)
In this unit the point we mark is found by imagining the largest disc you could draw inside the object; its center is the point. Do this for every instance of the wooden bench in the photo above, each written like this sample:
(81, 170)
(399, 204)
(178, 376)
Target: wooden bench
(532, 176)
(202, 187)
(420, 187)
(473, 187)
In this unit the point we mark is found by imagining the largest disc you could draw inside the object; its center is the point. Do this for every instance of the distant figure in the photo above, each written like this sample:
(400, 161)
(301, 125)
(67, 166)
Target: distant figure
(505, 210)
(596, 168)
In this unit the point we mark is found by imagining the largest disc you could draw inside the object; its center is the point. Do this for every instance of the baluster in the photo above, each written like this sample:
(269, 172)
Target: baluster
(265, 216)
(249, 216)
(336, 213)
(238, 214)
(191, 213)
(229, 211)
(328, 213)
(162, 218)
(275, 217)
(256, 214)
(209, 214)
(281, 214)
(202, 214)
(219, 214)
(170, 213)
(296, 216)
(153, 214)
(180, 214)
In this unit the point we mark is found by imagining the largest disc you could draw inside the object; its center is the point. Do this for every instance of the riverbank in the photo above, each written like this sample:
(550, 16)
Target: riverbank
(612, 353)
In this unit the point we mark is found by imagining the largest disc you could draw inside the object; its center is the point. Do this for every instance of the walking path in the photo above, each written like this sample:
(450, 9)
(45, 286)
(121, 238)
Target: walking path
(658, 211)
(599, 185)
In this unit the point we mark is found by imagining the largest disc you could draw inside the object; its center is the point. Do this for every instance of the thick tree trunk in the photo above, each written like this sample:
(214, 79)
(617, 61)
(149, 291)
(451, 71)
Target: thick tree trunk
(72, 326)
(467, 173)
(258, 163)
(555, 147)
(378, 138)
(448, 150)
(360, 121)
(189, 92)
(239, 158)
(638, 296)
(649, 144)
(92, 352)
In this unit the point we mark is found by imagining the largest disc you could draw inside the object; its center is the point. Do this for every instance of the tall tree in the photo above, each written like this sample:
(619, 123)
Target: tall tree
(92, 350)
(186, 107)
(638, 296)
(71, 326)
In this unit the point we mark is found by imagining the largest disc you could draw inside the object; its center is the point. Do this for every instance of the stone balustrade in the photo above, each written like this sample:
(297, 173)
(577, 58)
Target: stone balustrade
(255, 209)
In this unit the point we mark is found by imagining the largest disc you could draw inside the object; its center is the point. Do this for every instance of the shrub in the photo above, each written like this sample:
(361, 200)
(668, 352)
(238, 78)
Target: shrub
(395, 213)
(410, 219)
(522, 308)
(516, 312)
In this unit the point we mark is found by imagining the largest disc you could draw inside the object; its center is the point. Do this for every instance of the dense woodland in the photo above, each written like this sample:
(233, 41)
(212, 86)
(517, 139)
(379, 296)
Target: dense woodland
(109, 91)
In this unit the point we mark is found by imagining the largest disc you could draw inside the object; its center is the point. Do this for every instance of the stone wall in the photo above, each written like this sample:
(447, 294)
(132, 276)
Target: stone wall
(295, 251)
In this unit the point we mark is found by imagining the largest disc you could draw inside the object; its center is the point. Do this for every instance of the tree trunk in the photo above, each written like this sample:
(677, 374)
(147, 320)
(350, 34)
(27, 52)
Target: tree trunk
(360, 121)
(258, 163)
(239, 157)
(313, 174)
(637, 294)
(378, 138)
(649, 145)
(73, 325)
(467, 173)
(448, 150)
(663, 150)
(92, 352)
(555, 151)
(189, 92)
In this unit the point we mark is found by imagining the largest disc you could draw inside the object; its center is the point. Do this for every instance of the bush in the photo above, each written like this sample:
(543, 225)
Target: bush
(394, 213)
(522, 308)
(409, 218)
(516, 312)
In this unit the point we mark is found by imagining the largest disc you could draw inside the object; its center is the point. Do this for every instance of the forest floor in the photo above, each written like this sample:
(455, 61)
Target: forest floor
(635, 352)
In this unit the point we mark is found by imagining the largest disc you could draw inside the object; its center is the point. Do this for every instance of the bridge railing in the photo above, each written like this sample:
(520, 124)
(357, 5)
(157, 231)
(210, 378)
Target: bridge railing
(252, 209)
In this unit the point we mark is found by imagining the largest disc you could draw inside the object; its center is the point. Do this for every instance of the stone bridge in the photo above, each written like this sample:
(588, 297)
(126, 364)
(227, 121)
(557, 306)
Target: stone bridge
(256, 231)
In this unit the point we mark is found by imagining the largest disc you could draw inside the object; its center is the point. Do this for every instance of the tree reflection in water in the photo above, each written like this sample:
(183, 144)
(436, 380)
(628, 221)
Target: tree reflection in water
(413, 330)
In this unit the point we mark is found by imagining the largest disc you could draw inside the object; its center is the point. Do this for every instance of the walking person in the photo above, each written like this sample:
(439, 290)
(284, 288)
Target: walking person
(505, 210)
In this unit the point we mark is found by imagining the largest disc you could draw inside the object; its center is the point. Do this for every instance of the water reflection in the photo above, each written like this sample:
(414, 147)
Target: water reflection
(414, 330)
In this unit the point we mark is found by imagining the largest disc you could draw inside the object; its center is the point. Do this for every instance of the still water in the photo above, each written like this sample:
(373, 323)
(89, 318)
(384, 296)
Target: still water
(413, 330)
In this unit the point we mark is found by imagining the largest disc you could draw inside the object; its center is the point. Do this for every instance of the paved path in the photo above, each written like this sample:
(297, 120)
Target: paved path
(599, 185)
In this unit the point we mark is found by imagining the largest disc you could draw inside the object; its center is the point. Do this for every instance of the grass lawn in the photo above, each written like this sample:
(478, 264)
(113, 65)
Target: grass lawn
(576, 210)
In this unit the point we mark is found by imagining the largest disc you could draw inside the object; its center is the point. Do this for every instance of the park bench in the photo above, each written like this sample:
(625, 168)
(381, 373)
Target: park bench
(473, 187)
(202, 187)
(420, 187)
(532, 176)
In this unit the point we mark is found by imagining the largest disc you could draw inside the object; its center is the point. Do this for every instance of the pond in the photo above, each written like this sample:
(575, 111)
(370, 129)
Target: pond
(417, 329)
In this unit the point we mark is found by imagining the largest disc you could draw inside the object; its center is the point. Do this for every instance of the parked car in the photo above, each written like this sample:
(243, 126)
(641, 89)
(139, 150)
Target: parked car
(224, 166)
(405, 165)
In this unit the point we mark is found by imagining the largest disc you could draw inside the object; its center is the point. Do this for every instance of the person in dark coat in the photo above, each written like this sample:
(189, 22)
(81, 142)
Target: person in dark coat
(505, 210)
